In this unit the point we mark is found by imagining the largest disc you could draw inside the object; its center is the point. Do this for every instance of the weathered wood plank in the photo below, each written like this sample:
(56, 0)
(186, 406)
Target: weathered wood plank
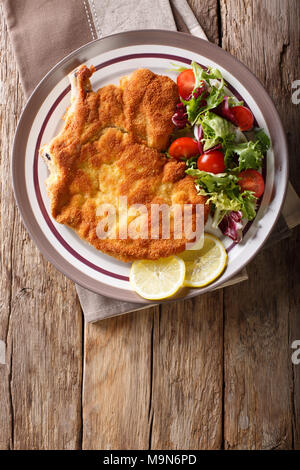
(9, 109)
(117, 382)
(40, 386)
(257, 399)
(294, 330)
(207, 14)
(258, 374)
(187, 374)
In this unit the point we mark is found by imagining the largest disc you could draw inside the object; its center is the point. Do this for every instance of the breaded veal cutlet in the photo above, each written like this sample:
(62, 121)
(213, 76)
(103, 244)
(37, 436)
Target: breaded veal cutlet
(110, 146)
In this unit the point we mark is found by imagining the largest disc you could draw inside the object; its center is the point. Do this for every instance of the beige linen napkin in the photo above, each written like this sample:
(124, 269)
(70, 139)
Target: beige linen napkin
(44, 32)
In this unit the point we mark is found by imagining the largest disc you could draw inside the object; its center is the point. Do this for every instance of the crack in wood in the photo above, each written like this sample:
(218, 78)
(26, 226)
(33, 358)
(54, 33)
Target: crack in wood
(220, 24)
(82, 380)
(151, 367)
(10, 374)
(150, 410)
(223, 373)
(282, 59)
(150, 431)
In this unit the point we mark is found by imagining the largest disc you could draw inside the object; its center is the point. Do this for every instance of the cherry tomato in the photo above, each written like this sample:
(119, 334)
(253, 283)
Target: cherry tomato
(213, 162)
(186, 83)
(251, 180)
(243, 117)
(184, 147)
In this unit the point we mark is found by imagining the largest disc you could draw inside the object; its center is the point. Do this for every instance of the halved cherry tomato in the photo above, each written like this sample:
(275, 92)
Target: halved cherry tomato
(213, 162)
(243, 117)
(251, 180)
(186, 83)
(184, 147)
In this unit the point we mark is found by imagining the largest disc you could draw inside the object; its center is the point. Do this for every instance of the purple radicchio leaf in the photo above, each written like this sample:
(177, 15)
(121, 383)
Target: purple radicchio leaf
(198, 133)
(180, 118)
(198, 92)
(231, 225)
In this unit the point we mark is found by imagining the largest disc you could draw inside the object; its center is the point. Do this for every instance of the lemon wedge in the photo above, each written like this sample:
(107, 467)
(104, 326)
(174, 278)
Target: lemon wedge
(205, 265)
(159, 279)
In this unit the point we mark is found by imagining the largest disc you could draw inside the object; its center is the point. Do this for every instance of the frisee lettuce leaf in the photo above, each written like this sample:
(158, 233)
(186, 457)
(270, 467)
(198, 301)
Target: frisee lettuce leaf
(191, 163)
(177, 68)
(250, 153)
(207, 75)
(215, 84)
(232, 101)
(192, 107)
(249, 156)
(214, 182)
(263, 140)
(224, 193)
(216, 130)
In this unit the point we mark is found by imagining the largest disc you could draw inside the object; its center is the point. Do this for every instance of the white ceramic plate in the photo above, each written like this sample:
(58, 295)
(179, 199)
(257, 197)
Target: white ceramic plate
(114, 57)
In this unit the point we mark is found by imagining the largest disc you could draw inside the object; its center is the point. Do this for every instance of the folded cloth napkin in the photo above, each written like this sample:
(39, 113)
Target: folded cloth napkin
(44, 32)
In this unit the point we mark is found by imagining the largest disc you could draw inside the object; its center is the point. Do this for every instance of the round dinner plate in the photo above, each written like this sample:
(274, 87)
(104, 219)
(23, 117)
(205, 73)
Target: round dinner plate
(114, 57)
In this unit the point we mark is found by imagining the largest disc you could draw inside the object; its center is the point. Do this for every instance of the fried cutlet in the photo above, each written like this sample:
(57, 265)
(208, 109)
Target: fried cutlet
(110, 147)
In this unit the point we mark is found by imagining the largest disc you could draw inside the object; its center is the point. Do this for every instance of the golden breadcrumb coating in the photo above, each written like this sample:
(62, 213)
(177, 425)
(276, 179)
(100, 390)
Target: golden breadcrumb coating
(110, 147)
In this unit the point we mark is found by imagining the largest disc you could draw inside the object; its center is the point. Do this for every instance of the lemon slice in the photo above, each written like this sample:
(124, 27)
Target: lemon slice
(156, 280)
(205, 265)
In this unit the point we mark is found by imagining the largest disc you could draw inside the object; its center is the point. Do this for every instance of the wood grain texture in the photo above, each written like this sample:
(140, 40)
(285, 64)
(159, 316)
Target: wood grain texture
(187, 383)
(293, 254)
(40, 317)
(207, 16)
(258, 382)
(206, 13)
(117, 382)
(8, 122)
(261, 314)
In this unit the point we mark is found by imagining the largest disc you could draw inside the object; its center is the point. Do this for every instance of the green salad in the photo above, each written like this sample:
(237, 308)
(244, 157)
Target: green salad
(221, 146)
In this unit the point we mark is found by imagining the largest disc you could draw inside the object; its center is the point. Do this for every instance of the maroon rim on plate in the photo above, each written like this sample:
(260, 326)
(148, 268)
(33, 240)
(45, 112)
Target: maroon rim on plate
(87, 52)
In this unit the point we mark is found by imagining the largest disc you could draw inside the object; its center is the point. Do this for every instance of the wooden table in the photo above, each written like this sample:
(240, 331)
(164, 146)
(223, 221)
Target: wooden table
(213, 372)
